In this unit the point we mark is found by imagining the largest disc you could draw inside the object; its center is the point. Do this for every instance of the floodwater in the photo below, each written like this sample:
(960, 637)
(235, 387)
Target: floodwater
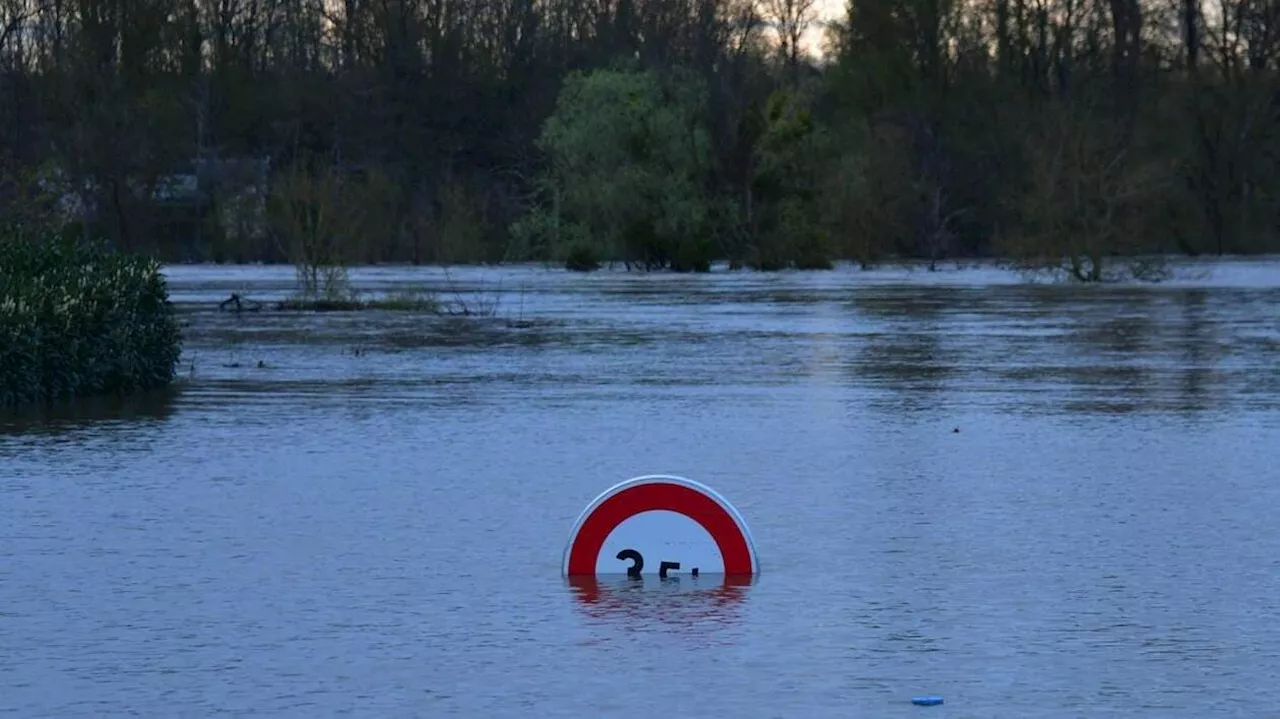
(365, 513)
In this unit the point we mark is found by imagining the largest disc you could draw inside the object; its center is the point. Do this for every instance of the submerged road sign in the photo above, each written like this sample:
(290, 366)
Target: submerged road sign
(660, 524)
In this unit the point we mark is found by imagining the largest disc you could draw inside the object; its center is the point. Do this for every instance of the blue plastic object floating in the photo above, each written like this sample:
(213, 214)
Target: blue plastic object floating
(926, 701)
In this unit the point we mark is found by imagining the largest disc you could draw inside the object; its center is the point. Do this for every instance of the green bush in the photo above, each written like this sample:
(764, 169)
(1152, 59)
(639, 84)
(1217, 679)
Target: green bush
(77, 319)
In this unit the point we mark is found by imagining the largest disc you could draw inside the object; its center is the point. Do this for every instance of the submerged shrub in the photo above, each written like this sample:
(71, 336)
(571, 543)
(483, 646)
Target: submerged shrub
(78, 319)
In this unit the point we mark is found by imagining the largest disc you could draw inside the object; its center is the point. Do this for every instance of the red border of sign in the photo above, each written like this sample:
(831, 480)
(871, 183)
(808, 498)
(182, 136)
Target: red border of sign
(657, 494)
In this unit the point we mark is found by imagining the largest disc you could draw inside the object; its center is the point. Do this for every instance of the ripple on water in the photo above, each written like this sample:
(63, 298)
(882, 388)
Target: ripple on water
(365, 512)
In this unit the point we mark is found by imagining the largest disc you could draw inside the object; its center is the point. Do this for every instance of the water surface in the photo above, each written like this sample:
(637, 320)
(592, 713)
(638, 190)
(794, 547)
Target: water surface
(365, 512)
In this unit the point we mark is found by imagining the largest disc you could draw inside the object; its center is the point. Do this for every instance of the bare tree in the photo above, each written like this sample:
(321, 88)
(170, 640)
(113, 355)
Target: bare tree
(791, 19)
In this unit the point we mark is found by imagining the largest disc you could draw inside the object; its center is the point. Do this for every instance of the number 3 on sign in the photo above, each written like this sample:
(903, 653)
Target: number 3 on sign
(637, 564)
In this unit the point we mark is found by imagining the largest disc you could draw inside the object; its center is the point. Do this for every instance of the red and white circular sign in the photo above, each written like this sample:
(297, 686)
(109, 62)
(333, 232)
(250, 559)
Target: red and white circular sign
(660, 525)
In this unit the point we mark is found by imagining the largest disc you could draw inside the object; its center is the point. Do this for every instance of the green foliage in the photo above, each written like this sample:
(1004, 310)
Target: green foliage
(787, 231)
(629, 164)
(1092, 192)
(630, 174)
(77, 319)
(864, 197)
(880, 64)
(463, 226)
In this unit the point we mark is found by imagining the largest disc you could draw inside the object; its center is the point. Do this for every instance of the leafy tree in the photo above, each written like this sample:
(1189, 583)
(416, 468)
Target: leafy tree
(787, 231)
(629, 160)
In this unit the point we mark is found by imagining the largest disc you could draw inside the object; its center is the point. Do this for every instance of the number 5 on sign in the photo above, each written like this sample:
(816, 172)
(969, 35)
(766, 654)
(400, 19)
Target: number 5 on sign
(660, 525)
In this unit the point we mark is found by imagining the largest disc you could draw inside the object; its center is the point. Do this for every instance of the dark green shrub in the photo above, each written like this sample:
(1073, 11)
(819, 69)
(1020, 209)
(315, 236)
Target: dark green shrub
(77, 319)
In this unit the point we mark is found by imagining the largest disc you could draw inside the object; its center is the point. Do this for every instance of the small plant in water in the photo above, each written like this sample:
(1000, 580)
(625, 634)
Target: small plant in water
(414, 300)
(338, 296)
(480, 306)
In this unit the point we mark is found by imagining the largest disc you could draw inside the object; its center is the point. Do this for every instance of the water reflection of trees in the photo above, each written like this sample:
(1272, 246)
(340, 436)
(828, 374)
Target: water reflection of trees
(1109, 356)
(906, 354)
(1198, 351)
(1098, 350)
(105, 412)
(1140, 350)
(1205, 316)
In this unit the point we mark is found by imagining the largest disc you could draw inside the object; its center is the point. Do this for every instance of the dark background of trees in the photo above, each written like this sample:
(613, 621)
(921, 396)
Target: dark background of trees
(1059, 131)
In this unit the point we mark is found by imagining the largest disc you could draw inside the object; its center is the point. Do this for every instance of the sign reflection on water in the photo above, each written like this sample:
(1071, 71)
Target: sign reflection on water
(648, 603)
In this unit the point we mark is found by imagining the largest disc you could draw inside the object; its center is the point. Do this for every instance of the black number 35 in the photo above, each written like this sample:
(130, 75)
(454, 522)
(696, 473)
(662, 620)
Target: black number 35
(637, 564)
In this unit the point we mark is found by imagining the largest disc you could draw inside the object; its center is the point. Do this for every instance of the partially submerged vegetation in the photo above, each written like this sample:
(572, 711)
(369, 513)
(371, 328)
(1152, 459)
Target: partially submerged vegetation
(406, 301)
(342, 297)
(78, 319)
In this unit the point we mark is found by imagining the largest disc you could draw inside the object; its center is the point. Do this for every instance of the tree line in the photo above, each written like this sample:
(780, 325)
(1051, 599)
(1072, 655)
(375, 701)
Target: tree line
(659, 133)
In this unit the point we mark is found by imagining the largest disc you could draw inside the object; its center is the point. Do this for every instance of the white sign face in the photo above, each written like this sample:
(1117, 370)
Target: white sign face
(660, 536)
(660, 525)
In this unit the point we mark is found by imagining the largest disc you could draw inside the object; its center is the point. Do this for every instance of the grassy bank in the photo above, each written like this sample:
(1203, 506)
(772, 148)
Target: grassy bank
(78, 319)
